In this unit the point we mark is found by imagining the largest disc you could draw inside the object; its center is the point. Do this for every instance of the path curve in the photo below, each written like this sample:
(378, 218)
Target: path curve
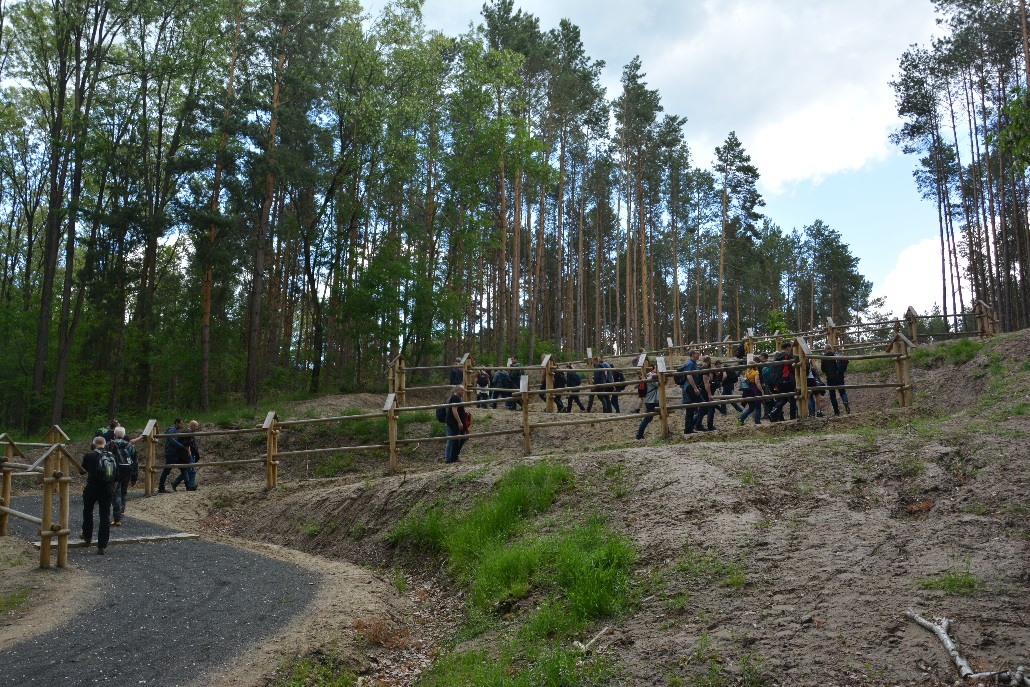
(164, 614)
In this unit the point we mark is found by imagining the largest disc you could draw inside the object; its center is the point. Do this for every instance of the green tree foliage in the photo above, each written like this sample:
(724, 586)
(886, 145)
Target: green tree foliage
(202, 202)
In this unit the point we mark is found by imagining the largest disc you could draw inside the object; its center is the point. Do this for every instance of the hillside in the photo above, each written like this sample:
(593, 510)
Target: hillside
(783, 554)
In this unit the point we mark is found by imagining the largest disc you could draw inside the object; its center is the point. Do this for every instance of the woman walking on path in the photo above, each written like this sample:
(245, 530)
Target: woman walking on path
(650, 400)
(455, 424)
(751, 389)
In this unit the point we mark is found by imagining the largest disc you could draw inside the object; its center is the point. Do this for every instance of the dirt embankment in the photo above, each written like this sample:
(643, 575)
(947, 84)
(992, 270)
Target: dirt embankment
(835, 525)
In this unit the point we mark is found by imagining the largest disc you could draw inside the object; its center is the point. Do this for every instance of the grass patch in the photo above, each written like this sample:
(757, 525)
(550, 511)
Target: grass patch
(335, 464)
(874, 365)
(367, 430)
(11, 601)
(316, 670)
(957, 352)
(579, 574)
(748, 478)
(618, 481)
(708, 566)
(911, 466)
(400, 580)
(953, 583)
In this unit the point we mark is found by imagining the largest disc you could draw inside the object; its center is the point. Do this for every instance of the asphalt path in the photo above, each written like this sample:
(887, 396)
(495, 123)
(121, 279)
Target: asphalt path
(164, 614)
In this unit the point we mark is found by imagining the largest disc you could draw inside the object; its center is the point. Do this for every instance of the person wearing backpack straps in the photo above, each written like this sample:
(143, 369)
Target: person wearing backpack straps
(189, 475)
(572, 381)
(128, 473)
(175, 453)
(101, 473)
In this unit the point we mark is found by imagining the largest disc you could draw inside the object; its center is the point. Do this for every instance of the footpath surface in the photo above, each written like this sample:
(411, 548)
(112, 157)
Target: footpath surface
(164, 614)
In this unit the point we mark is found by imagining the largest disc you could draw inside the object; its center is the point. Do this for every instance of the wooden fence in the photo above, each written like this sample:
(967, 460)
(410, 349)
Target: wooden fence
(53, 470)
(899, 351)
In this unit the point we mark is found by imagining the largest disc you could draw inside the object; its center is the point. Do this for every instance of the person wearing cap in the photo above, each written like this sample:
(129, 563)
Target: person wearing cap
(834, 371)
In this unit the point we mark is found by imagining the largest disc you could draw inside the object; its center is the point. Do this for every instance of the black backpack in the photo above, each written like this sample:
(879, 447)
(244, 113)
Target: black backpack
(107, 467)
(441, 415)
(120, 450)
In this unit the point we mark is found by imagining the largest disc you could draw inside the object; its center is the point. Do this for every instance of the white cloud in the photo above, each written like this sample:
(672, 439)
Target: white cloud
(804, 83)
(916, 279)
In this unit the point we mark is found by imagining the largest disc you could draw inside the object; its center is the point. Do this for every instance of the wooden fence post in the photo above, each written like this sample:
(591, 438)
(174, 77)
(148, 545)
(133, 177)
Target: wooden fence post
(5, 493)
(668, 351)
(151, 458)
(45, 529)
(390, 408)
(662, 402)
(801, 352)
(64, 506)
(270, 425)
(527, 448)
(548, 364)
(831, 333)
(467, 375)
(912, 318)
(776, 339)
(402, 381)
(729, 346)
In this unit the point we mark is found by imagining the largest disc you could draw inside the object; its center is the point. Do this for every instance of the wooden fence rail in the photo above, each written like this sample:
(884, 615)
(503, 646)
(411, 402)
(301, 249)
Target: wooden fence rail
(53, 470)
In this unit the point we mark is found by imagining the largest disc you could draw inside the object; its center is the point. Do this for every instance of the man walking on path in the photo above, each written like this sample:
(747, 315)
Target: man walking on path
(189, 475)
(572, 381)
(601, 376)
(101, 473)
(128, 473)
(691, 385)
(175, 452)
(834, 371)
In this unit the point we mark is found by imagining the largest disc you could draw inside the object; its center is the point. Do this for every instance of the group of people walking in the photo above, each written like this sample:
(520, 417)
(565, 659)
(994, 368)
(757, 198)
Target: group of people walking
(112, 466)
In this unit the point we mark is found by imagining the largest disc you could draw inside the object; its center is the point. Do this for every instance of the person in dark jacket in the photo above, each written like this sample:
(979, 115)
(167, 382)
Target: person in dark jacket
(706, 396)
(127, 475)
(501, 381)
(572, 381)
(189, 475)
(456, 375)
(601, 376)
(483, 387)
(834, 371)
(620, 386)
(176, 452)
(725, 382)
(559, 383)
(786, 385)
(455, 424)
(691, 382)
(97, 491)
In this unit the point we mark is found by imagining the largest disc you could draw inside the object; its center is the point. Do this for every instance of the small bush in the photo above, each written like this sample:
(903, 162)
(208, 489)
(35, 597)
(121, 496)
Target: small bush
(335, 464)
(311, 529)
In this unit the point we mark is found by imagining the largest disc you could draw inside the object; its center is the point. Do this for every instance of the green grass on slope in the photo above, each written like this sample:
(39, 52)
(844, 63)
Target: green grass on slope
(574, 577)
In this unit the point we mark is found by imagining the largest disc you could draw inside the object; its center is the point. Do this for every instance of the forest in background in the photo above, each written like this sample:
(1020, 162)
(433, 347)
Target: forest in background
(206, 202)
(964, 102)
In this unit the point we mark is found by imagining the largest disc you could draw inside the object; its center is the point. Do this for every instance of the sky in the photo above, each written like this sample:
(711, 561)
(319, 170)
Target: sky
(805, 84)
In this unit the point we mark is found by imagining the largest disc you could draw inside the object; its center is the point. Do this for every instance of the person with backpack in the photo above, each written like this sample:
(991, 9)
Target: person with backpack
(559, 383)
(834, 371)
(500, 381)
(651, 400)
(728, 383)
(601, 376)
(572, 381)
(785, 385)
(101, 476)
(189, 475)
(456, 375)
(483, 387)
(769, 377)
(176, 452)
(456, 421)
(613, 400)
(128, 473)
(690, 381)
(516, 372)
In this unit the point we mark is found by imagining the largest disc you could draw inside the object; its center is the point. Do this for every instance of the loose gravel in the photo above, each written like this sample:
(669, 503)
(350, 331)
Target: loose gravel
(165, 614)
